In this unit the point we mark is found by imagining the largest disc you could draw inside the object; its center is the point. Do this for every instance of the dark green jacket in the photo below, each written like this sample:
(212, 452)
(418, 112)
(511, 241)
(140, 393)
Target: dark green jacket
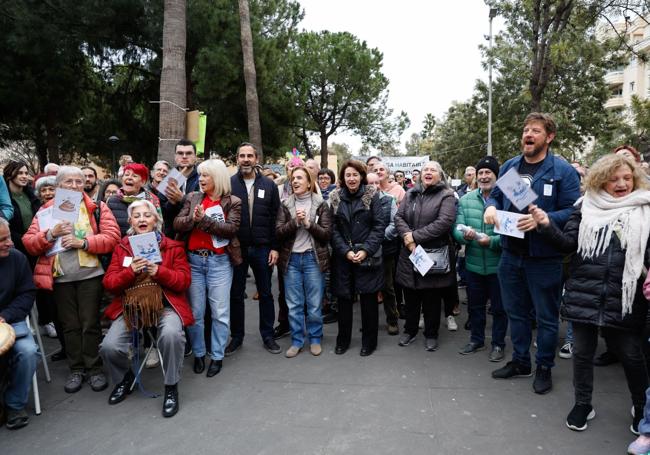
(478, 259)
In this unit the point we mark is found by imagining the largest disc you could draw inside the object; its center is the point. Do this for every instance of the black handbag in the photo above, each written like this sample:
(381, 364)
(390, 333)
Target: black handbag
(440, 258)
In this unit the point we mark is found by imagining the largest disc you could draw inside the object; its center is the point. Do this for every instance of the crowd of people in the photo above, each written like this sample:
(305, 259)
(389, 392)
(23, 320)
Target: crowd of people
(580, 254)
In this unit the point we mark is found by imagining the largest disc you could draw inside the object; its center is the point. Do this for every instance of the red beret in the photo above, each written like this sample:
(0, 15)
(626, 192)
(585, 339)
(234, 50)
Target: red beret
(139, 169)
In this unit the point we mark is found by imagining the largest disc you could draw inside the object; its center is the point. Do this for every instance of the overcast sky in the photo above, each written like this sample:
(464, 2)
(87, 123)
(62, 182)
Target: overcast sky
(431, 54)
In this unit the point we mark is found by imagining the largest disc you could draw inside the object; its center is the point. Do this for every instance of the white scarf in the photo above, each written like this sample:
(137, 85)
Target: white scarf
(629, 217)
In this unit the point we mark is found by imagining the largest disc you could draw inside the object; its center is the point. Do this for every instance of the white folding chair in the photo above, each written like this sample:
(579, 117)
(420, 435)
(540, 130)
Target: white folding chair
(32, 323)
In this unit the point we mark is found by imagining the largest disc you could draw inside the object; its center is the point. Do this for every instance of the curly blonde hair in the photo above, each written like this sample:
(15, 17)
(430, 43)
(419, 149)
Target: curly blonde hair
(603, 169)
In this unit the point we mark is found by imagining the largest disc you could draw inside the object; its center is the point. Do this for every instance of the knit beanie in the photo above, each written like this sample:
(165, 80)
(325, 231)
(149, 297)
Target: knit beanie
(488, 162)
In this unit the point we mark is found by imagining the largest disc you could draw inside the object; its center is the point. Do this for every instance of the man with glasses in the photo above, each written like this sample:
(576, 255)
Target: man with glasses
(470, 175)
(185, 159)
(400, 179)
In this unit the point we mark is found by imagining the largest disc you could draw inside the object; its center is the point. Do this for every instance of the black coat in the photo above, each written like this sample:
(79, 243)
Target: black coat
(265, 211)
(592, 293)
(119, 208)
(358, 219)
(169, 209)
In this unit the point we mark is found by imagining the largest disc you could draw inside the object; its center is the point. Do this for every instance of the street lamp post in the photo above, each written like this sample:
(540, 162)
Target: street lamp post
(113, 140)
(493, 13)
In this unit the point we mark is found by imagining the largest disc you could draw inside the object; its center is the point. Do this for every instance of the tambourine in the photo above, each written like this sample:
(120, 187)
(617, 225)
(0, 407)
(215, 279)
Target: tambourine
(7, 337)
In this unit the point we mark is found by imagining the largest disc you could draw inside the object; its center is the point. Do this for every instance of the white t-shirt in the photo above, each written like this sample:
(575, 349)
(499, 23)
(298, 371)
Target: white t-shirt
(249, 184)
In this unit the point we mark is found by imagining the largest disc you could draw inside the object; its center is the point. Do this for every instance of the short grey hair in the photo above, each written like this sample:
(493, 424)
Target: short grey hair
(4, 223)
(443, 177)
(65, 171)
(160, 162)
(51, 167)
(149, 205)
(49, 180)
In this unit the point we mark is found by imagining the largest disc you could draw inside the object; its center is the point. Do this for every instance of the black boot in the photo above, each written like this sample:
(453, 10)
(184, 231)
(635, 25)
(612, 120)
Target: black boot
(170, 405)
(214, 368)
(199, 364)
(122, 389)
(331, 317)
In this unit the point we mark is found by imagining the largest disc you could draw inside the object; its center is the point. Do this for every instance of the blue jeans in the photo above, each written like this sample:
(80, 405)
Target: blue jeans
(22, 364)
(211, 275)
(304, 286)
(479, 289)
(258, 259)
(531, 283)
(569, 332)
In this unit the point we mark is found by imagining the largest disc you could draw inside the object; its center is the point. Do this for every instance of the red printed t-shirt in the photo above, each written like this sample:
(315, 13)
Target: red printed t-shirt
(201, 240)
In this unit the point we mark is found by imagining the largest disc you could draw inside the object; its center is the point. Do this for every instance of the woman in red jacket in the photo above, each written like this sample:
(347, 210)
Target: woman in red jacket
(147, 293)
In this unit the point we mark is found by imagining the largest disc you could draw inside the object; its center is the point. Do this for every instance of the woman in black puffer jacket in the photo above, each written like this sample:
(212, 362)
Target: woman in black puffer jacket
(609, 232)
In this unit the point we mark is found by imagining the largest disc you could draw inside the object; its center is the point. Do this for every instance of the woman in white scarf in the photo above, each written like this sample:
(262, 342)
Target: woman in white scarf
(609, 233)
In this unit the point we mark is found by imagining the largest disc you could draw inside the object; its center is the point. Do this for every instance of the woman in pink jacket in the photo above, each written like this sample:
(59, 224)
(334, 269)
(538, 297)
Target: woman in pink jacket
(68, 264)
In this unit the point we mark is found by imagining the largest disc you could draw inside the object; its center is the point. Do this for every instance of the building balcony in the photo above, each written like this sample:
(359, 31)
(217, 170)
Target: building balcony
(614, 78)
(615, 102)
(642, 45)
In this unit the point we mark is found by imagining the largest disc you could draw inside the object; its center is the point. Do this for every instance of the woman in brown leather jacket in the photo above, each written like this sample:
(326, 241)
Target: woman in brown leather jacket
(303, 227)
(209, 221)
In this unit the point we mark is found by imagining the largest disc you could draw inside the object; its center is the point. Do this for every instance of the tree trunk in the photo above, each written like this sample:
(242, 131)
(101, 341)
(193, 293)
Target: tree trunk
(323, 150)
(172, 80)
(250, 78)
(52, 139)
(550, 18)
(41, 152)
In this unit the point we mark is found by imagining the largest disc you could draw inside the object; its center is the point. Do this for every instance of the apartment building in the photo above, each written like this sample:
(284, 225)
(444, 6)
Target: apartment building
(634, 78)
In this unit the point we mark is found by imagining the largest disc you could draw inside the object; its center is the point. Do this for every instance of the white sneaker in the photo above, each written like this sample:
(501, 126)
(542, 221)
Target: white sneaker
(566, 351)
(451, 323)
(421, 323)
(49, 330)
(152, 359)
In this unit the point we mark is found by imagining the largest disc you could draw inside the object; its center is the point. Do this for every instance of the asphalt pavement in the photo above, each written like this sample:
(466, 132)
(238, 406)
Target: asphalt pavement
(398, 400)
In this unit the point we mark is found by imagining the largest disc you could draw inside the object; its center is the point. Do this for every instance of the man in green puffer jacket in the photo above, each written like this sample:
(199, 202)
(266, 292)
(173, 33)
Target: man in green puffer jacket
(482, 254)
